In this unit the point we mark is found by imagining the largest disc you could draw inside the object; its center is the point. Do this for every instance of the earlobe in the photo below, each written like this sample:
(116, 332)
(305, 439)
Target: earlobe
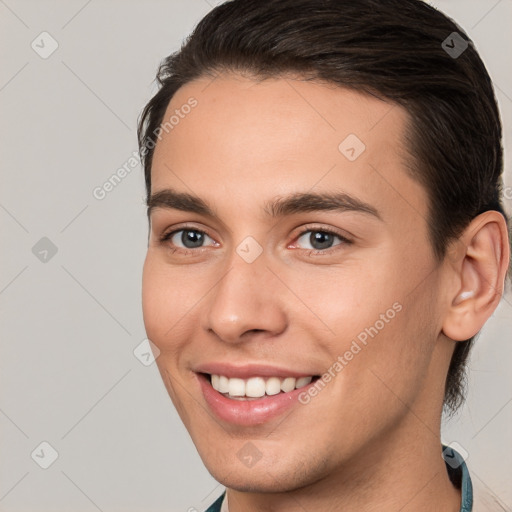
(481, 275)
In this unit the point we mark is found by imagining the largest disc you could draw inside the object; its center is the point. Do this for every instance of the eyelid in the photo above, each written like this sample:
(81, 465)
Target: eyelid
(325, 229)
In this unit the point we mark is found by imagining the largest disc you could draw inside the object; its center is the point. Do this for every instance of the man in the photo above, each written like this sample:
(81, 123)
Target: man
(326, 239)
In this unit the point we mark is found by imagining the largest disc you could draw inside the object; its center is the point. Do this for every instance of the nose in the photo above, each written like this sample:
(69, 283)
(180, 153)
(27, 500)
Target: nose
(246, 301)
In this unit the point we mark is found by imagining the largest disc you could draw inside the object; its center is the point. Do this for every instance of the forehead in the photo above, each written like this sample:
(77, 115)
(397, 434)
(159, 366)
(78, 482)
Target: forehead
(246, 140)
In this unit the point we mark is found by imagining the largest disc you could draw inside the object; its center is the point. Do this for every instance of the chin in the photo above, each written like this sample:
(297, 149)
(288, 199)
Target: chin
(262, 478)
(250, 482)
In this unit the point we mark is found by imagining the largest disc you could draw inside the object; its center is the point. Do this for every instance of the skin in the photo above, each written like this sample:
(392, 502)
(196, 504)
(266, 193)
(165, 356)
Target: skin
(370, 439)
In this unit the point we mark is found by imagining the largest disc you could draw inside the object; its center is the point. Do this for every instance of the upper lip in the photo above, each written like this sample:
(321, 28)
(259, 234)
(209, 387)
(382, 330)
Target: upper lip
(246, 371)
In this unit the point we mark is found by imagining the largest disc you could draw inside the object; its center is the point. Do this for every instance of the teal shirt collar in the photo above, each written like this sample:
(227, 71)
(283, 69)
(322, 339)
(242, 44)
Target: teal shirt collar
(459, 476)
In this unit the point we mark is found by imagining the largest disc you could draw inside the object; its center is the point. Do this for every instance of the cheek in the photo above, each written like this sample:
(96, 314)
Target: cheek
(346, 300)
(172, 302)
(399, 339)
(164, 305)
(164, 302)
(152, 289)
(376, 321)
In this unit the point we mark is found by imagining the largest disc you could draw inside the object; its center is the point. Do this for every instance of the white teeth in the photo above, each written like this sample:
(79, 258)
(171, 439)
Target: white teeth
(223, 386)
(257, 387)
(303, 381)
(273, 386)
(288, 384)
(236, 387)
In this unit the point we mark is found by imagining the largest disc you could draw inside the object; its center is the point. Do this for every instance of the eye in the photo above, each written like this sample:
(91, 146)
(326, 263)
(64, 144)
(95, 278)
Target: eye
(186, 238)
(321, 239)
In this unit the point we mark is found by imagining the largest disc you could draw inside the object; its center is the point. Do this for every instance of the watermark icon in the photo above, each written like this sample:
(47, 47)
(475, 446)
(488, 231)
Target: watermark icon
(146, 352)
(351, 147)
(249, 249)
(44, 250)
(454, 45)
(354, 349)
(44, 45)
(249, 455)
(44, 455)
(455, 455)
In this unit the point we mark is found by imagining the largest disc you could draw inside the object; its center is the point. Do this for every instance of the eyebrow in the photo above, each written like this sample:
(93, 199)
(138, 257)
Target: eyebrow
(295, 203)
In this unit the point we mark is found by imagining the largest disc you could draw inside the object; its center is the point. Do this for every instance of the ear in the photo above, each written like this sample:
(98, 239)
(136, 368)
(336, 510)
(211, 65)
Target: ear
(480, 267)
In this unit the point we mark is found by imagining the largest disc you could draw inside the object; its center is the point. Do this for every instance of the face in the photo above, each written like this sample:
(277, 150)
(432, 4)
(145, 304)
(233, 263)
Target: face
(289, 249)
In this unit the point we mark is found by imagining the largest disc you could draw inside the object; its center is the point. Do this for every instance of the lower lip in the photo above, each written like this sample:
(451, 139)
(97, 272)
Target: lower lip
(248, 412)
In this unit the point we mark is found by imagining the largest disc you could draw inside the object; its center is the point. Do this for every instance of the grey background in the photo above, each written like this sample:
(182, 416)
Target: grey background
(70, 324)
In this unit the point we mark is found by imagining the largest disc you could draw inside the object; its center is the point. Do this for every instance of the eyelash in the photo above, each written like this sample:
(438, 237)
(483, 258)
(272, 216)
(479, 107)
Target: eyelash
(344, 241)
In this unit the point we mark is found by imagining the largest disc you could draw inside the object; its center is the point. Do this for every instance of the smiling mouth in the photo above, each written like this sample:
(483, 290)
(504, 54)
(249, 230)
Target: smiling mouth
(255, 388)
